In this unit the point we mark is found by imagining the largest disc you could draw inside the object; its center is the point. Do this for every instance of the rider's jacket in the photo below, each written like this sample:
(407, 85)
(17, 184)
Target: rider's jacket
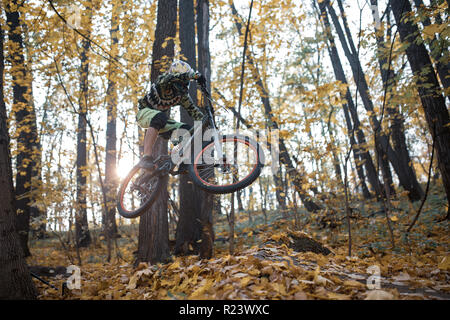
(171, 89)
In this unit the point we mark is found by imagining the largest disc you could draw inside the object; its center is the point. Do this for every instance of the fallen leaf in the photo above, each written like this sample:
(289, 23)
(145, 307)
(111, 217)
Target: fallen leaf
(379, 295)
(124, 278)
(174, 265)
(444, 264)
(205, 285)
(240, 275)
(135, 278)
(337, 296)
(353, 283)
(322, 281)
(245, 281)
(403, 276)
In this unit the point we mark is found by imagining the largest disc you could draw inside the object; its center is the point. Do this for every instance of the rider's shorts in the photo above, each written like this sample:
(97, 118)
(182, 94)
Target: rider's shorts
(148, 117)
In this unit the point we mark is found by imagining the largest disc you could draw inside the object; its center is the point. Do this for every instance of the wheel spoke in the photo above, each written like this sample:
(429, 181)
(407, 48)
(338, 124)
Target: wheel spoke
(140, 187)
(231, 169)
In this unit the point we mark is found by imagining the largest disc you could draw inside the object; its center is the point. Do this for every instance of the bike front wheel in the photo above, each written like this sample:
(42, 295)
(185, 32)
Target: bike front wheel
(239, 166)
(138, 192)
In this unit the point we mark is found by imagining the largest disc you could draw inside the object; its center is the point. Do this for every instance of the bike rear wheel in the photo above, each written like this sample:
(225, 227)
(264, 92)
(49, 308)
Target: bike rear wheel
(138, 192)
(240, 166)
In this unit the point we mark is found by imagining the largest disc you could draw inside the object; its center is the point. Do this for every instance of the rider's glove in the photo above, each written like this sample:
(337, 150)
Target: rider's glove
(142, 103)
(201, 80)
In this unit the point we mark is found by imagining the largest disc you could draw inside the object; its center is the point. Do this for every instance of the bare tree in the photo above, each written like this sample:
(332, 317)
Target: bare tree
(360, 152)
(109, 221)
(430, 91)
(383, 147)
(15, 279)
(204, 66)
(189, 228)
(397, 122)
(194, 228)
(25, 116)
(82, 234)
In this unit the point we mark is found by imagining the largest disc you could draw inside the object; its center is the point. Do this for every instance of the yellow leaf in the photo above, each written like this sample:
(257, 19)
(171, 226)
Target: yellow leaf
(245, 281)
(444, 264)
(174, 265)
(430, 30)
(337, 296)
(353, 283)
(254, 272)
(205, 285)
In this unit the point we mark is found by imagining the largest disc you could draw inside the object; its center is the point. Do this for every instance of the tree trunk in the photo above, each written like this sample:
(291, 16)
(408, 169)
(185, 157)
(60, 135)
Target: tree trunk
(109, 222)
(82, 234)
(153, 242)
(204, 66)
(38, 215)
(189, 227)
(15, 279)
(27, 159)
(406, 178)
(438, 55)
(336, 162)
(397, 121)
(433, 102)
(264, 200)
(280, 192)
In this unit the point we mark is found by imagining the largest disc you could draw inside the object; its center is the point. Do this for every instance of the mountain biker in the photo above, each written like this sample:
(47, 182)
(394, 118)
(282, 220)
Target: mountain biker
(170, 89)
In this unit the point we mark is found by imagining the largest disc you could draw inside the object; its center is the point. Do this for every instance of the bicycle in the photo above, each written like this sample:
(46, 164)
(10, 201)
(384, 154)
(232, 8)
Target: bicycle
(214, 168)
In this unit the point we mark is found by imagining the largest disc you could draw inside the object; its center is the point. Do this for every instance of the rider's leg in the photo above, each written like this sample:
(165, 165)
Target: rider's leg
(154, 121)
(149, 141)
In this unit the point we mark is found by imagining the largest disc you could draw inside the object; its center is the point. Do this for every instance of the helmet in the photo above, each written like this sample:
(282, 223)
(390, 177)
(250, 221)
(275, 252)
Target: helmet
(179, 66)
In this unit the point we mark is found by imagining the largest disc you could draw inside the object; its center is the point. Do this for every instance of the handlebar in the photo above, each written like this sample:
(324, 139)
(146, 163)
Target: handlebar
(209, 108)
(208, 97)
(204, 90)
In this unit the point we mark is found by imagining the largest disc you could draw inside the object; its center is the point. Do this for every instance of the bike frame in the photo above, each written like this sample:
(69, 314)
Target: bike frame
(186, 146)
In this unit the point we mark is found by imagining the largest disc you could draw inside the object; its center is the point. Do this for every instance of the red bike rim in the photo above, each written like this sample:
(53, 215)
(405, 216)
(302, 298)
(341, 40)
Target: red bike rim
(122, 192)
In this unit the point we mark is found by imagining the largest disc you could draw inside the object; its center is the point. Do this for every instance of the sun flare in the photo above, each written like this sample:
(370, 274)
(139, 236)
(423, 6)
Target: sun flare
(123, 168)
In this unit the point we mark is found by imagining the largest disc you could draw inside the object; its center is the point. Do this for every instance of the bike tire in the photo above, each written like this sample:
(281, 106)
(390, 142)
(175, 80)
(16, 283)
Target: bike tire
(249, 179)
(146, 204)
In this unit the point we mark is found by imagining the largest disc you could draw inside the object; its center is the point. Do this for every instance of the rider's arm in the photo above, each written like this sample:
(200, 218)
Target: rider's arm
(166, 79)
(186, 101)
(142, 103)
(194, 111)
(184, 77)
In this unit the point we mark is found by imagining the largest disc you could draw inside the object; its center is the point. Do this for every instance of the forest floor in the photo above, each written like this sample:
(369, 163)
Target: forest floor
(275, 260)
